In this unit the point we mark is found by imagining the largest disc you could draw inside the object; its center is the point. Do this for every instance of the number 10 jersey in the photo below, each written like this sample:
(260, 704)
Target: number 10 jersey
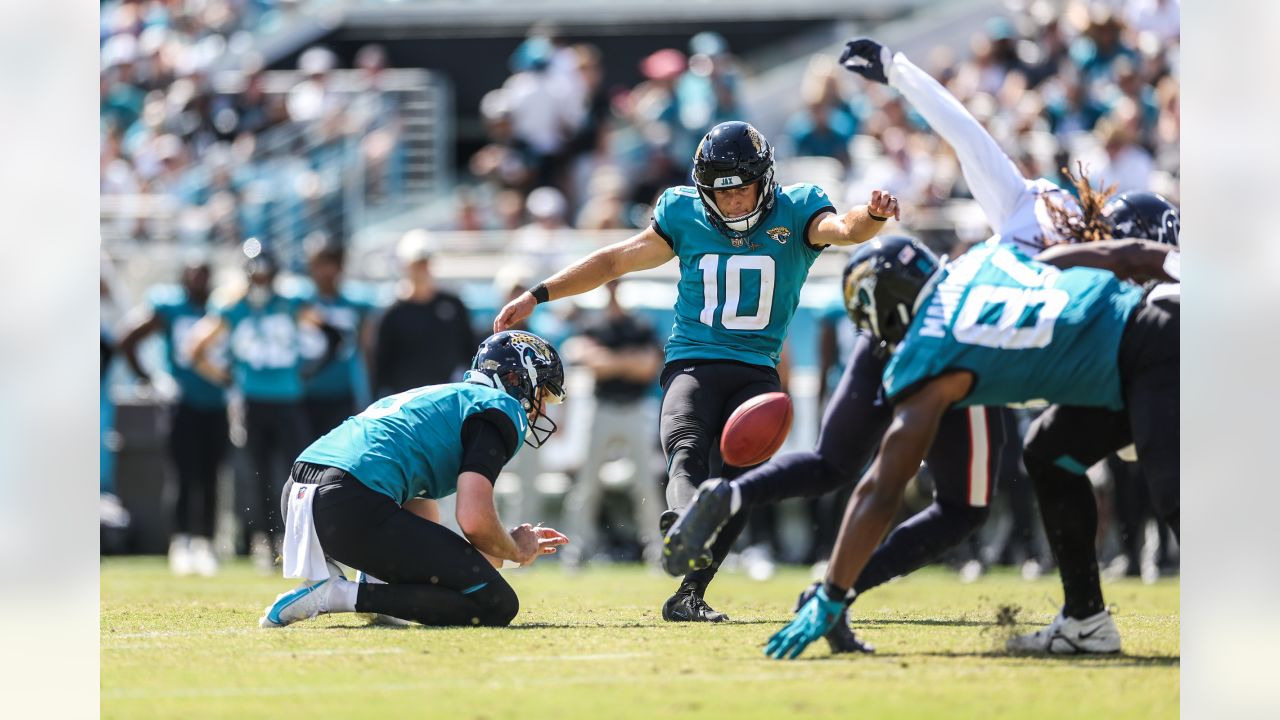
(737, 296)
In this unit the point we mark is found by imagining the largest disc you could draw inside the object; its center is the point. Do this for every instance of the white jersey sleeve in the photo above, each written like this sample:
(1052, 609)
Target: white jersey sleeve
(992, 177)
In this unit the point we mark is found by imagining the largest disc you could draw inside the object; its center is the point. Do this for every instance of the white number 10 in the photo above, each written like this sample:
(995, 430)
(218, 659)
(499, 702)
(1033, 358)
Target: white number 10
(709, 265)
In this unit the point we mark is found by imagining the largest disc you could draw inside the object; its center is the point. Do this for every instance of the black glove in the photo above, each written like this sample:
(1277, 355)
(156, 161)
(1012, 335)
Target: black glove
(867, 58)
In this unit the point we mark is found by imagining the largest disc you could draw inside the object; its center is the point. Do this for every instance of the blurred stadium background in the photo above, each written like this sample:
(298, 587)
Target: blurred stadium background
(521, 135)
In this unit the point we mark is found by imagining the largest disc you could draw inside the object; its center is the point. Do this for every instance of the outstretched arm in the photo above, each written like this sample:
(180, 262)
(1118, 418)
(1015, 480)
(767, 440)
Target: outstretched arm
(879, 494)
(641, 251)
(858, 225)
(1137, 260)
(992, 177)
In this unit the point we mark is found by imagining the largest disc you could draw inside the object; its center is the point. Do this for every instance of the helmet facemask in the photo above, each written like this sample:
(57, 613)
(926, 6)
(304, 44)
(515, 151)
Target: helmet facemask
(742, 225)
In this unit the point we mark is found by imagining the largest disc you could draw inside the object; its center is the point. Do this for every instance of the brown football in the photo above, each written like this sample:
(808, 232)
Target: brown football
(756, 430)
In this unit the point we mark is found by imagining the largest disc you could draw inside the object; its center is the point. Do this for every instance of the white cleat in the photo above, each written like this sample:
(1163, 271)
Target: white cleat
(203, 560)
(378, 618)
(1096, 634)
(301, 603)
(180, 561)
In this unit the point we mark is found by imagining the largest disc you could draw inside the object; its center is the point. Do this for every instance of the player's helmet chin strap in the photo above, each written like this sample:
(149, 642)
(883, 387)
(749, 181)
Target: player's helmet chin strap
(538, 434)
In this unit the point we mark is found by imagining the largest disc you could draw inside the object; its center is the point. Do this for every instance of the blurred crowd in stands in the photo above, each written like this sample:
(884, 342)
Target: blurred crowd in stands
(228, 155)
(1055, 82)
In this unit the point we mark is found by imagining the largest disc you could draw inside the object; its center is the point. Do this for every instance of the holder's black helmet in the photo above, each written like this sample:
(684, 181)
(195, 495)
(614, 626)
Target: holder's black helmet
(1144, 215)
(522, 364)
(884, 282)
(731, 155)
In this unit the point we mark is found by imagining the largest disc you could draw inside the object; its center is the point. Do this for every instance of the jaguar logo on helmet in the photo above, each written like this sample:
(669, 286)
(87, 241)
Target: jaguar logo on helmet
(756, 140)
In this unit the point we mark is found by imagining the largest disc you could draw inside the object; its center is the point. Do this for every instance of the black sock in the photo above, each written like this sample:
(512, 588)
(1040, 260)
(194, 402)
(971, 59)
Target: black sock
(801, 474)
(1070, 515)
(918, 541)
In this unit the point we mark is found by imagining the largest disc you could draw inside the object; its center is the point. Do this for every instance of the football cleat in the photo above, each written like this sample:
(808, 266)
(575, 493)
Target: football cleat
(687, 545)
(301, 603)
(666, 520)
(1096, 634)
(687, 605)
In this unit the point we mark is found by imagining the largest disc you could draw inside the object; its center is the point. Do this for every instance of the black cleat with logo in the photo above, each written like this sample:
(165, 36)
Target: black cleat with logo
(687, 605)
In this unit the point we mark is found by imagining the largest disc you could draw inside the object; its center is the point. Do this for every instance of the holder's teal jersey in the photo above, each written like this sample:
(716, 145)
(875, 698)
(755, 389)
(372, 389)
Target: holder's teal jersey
(409, 445)
(177, 315)
(1028, 332)
(266, 347)
(737, 297)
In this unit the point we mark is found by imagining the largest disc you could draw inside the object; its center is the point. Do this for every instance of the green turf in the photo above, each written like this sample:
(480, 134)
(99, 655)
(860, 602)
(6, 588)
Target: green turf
(593, 646)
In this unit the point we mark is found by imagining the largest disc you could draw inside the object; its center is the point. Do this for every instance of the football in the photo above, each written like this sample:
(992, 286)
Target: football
(756, 429)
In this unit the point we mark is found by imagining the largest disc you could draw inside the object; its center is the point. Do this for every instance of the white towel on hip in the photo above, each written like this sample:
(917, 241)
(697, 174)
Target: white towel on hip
(303, 556)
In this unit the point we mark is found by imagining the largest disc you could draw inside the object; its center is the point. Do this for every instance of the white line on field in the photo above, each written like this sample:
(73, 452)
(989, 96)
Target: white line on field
(339, 651)
(179, 633)
(543, 658)
(307, 691)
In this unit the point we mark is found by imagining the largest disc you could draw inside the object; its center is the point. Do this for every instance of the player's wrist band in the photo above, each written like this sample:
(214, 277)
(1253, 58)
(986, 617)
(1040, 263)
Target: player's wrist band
(834, 592)
(539, 293)
(875, 217)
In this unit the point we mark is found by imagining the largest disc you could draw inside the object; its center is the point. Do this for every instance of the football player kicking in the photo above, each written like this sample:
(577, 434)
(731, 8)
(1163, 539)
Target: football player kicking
(994, 328)
(745, 247)
(975, 447)
(348, 496)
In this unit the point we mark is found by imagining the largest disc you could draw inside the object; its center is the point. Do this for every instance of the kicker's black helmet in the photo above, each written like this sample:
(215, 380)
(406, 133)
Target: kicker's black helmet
(731, 155)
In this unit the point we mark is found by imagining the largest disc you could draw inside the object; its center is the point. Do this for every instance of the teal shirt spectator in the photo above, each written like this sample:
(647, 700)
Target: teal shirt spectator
(1029, 332)
(409, 445)
(344, 375)
(177, 314)
(831, 140)
(265, 346)
(736, 298)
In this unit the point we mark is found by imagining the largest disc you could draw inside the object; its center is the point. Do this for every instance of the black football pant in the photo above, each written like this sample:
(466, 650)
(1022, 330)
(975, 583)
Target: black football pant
(198, 440)
(973, 449)
(433, 576)
(1066, 440)
(276, 434)
(697, 398)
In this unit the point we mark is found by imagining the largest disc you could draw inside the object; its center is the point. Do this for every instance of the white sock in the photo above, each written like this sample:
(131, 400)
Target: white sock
(735, 503)
(342, 595)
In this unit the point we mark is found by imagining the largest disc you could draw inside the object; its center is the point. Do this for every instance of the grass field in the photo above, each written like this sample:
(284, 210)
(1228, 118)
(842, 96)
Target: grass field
(593, 646)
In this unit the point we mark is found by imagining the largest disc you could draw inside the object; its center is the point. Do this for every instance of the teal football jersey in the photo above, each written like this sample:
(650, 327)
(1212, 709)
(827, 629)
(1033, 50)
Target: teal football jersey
(409, 445)
(265, 345)
(343, 375)
(1028, 332)
(736, 298)
(177, 315)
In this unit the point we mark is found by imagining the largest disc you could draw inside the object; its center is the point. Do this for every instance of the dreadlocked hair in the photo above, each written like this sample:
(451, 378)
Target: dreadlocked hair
(1087, 225)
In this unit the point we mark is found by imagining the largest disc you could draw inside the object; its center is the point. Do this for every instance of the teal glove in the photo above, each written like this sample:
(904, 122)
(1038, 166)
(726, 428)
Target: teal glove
(811, 622)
